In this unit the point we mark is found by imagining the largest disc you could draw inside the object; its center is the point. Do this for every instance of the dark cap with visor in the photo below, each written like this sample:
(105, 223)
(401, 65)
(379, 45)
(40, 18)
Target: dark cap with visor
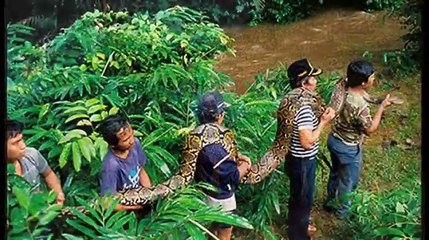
(300, 69)
(212, 103)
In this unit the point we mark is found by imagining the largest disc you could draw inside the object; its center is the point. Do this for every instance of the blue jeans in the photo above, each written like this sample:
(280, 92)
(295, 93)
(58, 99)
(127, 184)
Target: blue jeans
(344, 175)
(302, 175)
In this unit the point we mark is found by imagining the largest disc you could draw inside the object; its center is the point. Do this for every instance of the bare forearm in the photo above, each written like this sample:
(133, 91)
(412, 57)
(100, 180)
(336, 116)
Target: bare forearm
(308, 138)
(376, 120)
(317, 132)
(53, 182)
(144, 179)
(243, 169)
(121, 207)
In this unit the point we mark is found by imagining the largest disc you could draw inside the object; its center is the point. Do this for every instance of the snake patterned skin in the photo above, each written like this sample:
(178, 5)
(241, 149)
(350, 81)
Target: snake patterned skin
(285, 114)
(67, 212)
(339, 94)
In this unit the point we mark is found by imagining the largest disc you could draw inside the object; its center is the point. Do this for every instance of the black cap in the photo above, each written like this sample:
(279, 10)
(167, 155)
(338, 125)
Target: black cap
(212, 102)
(300, 69)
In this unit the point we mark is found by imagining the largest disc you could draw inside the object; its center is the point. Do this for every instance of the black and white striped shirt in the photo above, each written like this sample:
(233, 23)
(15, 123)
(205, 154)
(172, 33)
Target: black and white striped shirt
(304, 119)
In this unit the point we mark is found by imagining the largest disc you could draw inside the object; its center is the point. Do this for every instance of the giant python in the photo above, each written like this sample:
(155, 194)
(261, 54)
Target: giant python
(207, 134)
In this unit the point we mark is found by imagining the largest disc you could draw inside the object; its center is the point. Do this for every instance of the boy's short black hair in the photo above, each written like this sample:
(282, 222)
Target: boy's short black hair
(358, 72)
(13, 128)
(110, 126)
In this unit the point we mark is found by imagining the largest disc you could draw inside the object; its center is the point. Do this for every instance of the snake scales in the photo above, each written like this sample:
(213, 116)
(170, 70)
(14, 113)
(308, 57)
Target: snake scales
(207, 134)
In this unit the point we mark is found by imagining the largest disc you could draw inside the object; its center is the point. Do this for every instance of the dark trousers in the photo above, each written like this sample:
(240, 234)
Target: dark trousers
(302, 175)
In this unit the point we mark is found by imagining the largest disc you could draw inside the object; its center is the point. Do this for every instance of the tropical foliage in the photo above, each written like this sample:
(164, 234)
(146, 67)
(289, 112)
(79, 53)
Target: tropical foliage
(151, 68)
(394, 214)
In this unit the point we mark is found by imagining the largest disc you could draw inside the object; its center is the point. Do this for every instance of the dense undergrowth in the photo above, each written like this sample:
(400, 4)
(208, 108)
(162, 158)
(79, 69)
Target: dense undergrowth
(152, 68)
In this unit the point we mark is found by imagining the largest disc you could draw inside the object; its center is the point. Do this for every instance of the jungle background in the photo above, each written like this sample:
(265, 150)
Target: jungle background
(72, 63)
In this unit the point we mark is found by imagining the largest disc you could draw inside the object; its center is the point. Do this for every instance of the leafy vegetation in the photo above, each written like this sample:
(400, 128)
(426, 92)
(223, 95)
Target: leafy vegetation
(28, 215)
(384, 4)
(394, 214)
(152, 68)
(49, 16)
(407, 60)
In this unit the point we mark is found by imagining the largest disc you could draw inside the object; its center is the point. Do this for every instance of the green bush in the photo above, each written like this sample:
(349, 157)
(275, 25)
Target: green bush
(384, 4)
(151, 68)
(407, 60)
(394, 214)
(28, 212)
(183, 214)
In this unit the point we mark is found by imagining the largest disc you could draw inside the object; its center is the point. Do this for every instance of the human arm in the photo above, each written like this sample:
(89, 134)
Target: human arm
(50, 178)
(243, 158)
(243, 168)
(244, 164)
(109, 181)
(225, 169)
(142, 159)
(372, 127)
(144, 178)
(53, 183)
(307, 135)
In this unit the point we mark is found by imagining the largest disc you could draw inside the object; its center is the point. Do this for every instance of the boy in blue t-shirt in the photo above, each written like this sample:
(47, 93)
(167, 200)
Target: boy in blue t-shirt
(123, 165)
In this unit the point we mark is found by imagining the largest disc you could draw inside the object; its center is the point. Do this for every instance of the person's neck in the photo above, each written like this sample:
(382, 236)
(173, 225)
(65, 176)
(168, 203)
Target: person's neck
(12, 161)
(17, 164)
(123, 154)
(308, 89)
(358, 90)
